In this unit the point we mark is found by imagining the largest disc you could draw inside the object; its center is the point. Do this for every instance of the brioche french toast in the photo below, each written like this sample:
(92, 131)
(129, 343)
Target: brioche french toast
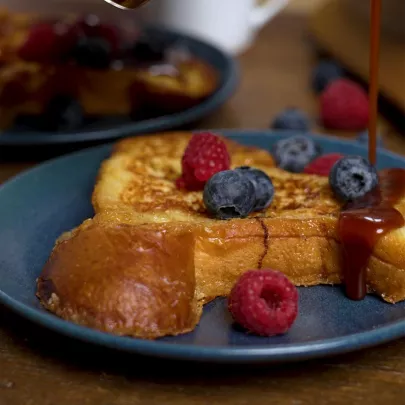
(41, 60)
(152, 256)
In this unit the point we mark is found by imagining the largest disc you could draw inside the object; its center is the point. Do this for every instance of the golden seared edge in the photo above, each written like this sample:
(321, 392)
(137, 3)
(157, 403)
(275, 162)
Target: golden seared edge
(152, 256)
(136, 281)
(307, 250)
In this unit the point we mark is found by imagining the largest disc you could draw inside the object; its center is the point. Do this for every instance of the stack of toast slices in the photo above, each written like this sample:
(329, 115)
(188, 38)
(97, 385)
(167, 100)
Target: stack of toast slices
(151, 257)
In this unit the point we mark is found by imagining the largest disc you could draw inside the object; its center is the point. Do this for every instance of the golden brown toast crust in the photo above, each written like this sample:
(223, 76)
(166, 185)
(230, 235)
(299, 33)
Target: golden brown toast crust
(127, 280)
(296, 235)
(138, 181)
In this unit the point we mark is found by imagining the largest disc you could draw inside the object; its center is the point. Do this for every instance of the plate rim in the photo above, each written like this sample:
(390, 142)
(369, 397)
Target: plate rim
(210, 354)
(198, 353)
(234, 132)
(231, 78)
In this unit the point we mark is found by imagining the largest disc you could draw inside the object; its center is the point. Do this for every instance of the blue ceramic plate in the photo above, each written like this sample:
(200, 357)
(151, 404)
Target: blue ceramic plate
(109, 128)
(37, 206)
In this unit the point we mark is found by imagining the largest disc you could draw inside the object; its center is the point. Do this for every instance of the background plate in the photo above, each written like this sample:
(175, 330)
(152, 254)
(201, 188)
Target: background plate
(37, 206)
(115, 127)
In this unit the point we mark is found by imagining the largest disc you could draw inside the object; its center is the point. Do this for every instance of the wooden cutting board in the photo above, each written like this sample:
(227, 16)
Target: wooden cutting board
(346, 38)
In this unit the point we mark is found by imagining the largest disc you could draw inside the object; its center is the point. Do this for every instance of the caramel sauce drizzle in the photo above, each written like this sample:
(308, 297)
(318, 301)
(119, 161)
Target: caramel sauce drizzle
(363, 222)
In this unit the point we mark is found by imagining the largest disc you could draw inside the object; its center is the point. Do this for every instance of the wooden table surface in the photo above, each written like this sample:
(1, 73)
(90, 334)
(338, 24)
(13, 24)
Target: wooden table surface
(38, 367)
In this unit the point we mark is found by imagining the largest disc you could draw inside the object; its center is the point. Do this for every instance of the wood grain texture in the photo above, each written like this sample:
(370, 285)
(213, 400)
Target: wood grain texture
(38, 367)
(304, 6)
(337, 29)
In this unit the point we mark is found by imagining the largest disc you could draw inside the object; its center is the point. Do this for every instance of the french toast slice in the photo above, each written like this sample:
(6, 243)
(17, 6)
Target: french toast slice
(135, 197)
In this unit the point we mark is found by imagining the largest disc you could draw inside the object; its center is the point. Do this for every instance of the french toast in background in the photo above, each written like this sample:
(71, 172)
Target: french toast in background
(59, 8)
(129, 84)
(152, 256)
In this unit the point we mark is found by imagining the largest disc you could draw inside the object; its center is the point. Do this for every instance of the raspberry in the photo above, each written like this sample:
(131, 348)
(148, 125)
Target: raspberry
(41, 44)
(264, 302)
(323, 164)
(205, 155)
(344, 105)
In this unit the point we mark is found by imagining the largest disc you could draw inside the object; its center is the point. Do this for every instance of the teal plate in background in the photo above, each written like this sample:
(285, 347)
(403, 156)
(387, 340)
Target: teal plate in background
(109, 128)
(37, 206)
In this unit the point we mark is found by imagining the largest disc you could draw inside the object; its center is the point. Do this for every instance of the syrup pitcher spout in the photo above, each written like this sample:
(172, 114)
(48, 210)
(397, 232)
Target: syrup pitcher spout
(126, 4)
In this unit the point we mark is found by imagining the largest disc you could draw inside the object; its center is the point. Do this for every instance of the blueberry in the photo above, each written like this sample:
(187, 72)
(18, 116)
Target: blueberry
(263, 185)
(92, 52)
(362, 138)
(229, 194)
(63, 113)
(149, 49)
(291, 119)
(294, 153)
(352, 177)
(324, 73)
